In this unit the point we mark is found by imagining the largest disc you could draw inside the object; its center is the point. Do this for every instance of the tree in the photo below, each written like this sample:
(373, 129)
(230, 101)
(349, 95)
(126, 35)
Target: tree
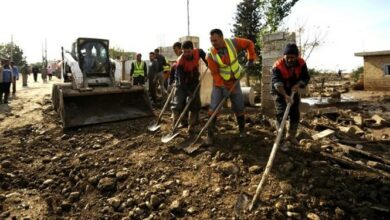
(117, 52)
(17, 53)
(247, 25)
(276, 11)
(248, 21)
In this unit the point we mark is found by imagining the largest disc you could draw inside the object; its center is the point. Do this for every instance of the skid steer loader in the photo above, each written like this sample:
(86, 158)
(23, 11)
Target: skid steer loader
(93, 91)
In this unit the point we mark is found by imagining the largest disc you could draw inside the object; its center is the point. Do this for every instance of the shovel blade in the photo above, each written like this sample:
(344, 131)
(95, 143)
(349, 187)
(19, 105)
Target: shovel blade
(194, 146)
(242, 204)
(167, 138)
(154, 127)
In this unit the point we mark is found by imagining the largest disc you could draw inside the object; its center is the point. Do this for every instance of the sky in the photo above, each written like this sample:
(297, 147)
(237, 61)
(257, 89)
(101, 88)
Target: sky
(344, 26)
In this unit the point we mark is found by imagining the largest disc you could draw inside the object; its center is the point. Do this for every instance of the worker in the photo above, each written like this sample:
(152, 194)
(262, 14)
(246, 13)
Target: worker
(289, 74)
(5, 79)
(15, 76)
(138, 71)
(225, 70)
(187, 79)
(152, 77)
(25, 70)
(160, 75)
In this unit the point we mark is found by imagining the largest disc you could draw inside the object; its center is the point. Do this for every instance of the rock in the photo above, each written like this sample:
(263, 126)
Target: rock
(313, 216)
(107, 184)
(339, 213)
(155, 201)
(66, 206)
(48, 182)
(294, 215)
(280, 205)
(6, 164)
(254, 169)
(313, 147)
(115, 202)
(191, 210)
(122, 175)
(228, 168)
(323, 134)
(318, 163)
(74, 196)
(186, 193)
(285, 187)
(176, 206)
(287, 167)
(348, 130)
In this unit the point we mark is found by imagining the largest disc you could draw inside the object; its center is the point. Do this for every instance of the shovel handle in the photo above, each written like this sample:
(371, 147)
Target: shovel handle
(166, 104)
(216, 111)
(272, 155)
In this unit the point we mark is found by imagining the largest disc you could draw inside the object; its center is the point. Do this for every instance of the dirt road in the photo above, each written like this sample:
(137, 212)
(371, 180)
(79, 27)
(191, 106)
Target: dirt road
(121, 171)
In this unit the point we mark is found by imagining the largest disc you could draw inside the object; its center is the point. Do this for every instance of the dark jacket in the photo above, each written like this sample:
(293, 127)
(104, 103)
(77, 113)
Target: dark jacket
(300, 74)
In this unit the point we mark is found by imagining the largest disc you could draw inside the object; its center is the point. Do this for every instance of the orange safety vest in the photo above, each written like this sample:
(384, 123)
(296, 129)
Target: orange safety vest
(281, 66)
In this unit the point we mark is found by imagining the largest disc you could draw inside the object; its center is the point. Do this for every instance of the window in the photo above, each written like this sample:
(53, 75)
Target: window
(387, 69)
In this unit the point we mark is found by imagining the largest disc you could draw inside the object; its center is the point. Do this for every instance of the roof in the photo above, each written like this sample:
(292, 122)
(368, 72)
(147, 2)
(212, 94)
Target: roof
(373, 53)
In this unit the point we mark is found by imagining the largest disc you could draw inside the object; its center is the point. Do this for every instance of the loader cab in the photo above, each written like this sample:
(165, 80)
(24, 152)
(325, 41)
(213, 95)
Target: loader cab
(93, 56)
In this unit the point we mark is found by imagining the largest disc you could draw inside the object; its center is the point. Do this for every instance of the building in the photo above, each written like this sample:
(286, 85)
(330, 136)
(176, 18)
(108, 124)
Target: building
(376, 70)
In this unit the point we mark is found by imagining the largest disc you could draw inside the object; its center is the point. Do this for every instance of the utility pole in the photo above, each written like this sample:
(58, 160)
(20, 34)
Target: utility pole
(188, 17)
(12, 47)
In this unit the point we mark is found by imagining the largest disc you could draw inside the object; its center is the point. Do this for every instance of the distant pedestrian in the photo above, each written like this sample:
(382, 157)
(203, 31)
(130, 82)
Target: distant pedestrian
(25, 70)
(15, 76)
(339, 73)
(35, 71)
(162, 62)
(5, 79)
(44, 74)
(49, 72)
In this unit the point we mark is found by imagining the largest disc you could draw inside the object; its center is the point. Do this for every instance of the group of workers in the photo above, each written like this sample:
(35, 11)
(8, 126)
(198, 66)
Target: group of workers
(9, 73)
(289, 74)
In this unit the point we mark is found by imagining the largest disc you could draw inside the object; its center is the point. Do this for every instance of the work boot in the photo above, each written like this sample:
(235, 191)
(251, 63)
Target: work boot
(241, 125)
(192, 122)
(284, 146)
(184, 121)
(210, 132)
(291, 136)
(6, 98)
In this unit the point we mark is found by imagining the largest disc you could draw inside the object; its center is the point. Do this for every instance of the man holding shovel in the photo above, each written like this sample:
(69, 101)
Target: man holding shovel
(288, 75)
(225, 69)
(187, 74)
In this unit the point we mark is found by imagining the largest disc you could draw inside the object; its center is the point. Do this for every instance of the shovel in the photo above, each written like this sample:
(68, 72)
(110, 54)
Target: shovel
(155, 126)
(174, 133)
(194, 145)
(272, 155)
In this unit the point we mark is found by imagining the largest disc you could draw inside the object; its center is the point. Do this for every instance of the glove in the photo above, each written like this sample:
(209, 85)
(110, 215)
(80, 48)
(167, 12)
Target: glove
(250, 63)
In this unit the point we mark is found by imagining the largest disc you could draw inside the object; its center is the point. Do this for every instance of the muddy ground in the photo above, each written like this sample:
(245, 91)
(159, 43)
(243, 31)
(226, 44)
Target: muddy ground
(121, 171)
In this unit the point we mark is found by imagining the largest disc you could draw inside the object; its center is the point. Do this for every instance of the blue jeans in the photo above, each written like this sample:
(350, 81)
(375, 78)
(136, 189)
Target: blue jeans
(236, 97)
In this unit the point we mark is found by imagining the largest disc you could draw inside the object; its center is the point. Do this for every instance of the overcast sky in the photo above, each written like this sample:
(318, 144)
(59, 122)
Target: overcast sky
(349, 26)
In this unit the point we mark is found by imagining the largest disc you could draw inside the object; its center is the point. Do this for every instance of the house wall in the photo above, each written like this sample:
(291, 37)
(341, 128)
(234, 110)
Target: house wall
(374, 76)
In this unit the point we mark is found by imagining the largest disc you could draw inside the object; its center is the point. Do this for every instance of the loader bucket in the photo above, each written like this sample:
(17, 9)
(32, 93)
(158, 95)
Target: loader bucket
(102, 104)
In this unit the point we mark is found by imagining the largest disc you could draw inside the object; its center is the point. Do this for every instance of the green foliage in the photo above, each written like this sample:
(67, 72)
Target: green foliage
(247, 25)
(315, 72)
(17, 53)
(357, 72)
(117, 52)
(276, 11)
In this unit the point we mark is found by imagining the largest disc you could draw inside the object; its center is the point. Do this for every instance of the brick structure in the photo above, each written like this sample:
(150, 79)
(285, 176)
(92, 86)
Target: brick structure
(376, 70)
(273, 46)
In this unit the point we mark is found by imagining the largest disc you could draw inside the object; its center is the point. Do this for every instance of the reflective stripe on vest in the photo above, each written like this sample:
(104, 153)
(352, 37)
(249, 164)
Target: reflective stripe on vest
(138, 69)
(281, 66)
(234, 67)
(166, 67)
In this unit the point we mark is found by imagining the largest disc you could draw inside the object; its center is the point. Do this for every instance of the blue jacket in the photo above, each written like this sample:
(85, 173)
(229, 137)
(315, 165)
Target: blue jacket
(7, 74)
(15, 71)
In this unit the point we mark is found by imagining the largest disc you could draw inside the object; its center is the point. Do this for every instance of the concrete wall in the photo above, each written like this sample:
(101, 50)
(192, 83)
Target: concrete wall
(374, 75)
(272, 50)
